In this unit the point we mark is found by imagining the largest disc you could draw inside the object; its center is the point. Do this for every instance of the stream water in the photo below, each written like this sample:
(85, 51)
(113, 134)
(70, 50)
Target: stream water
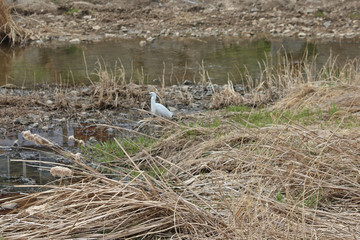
(176, 60)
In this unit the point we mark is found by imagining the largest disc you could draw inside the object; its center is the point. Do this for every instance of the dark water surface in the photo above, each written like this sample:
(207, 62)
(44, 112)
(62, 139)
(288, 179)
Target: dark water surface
(178, 59)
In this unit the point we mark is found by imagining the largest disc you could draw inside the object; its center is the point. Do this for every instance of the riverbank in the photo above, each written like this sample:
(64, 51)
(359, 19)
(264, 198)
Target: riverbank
(283, 168)
(96, 20)
(282, 172)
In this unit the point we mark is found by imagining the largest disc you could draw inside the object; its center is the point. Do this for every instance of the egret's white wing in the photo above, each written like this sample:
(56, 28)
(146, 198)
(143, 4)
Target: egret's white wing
(161, 110)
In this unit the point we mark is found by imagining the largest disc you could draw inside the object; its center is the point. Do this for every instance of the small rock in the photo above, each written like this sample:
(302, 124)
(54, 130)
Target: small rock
(110, 35)
(350, 35)
(124, 29)
(60, 120)
(172, 109)
(209, 93)
(75, 41)
(195, 105)
(21, 121)
(91, 120)
(150, 39)
(33, 116)
(310, 10)
(27, 180)
(301, 34)
(110, 131)
(286, 32)
(273, 30)
(9, 86)
(327, 24)
(92, 139)
(239, 88)
(49, 102)
(16, 143)
(156, 80)
(142, 43)
(188, 82)
(96, 28)
(74, 93)
(34, 125)
(86, 91)
(9, 206)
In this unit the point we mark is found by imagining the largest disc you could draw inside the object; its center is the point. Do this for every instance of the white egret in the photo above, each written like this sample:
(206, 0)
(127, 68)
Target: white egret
(158, 108)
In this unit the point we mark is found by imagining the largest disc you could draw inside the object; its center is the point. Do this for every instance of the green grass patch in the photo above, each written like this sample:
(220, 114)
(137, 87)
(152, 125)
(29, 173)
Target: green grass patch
(320, 14)
(313, 200)
(354, 16)
(257, 117)
(72, 10)
(109, 150)
(261, 118)
(279, 196)
(155, 171)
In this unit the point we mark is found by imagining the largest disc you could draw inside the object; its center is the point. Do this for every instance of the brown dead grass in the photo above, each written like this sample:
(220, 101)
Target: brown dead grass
(139, 206)
(230, 182)
(226, 97)
(284, 182)
(323, 96)
(10, 31)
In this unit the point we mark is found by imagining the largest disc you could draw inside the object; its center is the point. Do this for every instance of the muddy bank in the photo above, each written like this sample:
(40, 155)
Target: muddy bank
(94, 20)
(121, 105)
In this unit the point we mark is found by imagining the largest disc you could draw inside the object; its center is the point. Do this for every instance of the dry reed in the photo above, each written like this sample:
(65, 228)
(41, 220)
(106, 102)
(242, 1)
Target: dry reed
(10, 31)
(136, 206)
(232, 181)
(226, 97)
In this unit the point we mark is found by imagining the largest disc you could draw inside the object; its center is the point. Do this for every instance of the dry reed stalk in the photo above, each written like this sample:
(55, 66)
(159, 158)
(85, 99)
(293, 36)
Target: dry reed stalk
(10, 32)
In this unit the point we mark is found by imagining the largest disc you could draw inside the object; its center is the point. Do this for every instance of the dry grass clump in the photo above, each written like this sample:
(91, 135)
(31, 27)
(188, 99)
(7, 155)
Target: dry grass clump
(318, 95)
(111, 210)
(226, 97)
(135, 206)
(112, 90)
(277, 78)
(226, 182)
(282, 182)
(10, 32)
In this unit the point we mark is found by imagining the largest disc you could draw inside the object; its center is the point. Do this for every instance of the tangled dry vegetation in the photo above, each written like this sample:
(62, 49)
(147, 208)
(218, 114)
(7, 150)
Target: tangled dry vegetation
(10, 31)
(218, 175)
(137, 206)
(230, 181)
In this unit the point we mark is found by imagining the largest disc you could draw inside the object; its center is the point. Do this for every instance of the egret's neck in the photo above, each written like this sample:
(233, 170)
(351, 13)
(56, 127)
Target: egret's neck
(153, 103)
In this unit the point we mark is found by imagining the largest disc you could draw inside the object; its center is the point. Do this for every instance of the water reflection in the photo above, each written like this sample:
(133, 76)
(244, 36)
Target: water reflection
(13, 171)
(177, 59)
